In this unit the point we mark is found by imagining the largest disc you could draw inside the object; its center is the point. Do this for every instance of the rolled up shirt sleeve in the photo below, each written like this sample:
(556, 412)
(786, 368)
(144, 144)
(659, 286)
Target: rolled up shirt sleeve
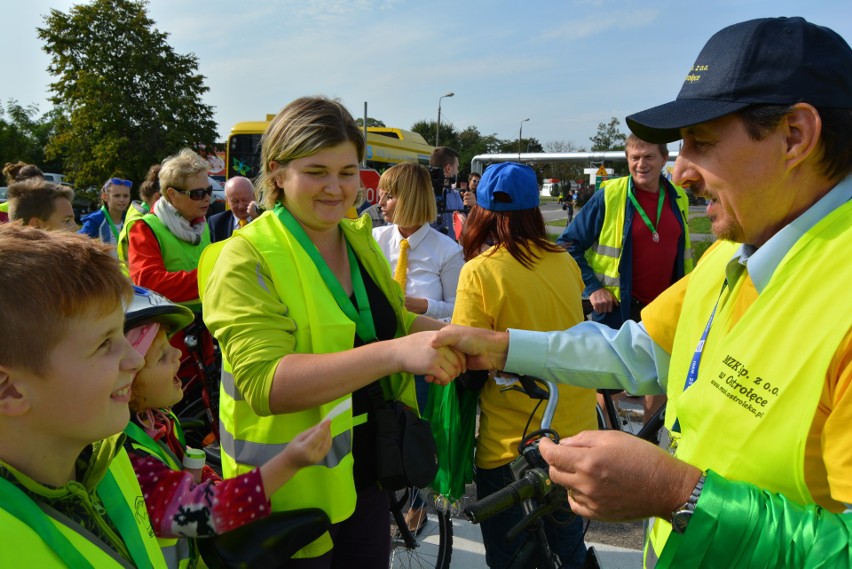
(244, 313)
(592, 355)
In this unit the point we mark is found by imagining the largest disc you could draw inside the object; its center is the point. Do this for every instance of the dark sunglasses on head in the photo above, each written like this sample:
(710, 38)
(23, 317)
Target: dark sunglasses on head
(197, 194)
(118, 182)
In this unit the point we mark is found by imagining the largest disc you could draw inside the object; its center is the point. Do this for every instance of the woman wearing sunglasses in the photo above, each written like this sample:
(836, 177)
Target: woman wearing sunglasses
(312, 325)
(106, 223)
(164, 249)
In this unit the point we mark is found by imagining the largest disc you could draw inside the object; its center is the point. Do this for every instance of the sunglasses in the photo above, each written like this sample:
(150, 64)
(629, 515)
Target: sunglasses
(118, 182)
(197, 194)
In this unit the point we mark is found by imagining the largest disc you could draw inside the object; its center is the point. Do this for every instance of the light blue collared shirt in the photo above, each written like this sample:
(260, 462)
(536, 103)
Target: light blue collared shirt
(596, 356)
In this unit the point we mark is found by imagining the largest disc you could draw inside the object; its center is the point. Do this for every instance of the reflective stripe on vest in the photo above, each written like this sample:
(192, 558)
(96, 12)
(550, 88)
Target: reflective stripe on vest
(604, 256)
(750, 413)
(321, 327)
(178, 255)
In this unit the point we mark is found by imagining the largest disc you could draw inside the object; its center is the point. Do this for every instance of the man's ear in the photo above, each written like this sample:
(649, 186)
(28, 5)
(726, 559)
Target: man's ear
(34, 222)
(803, 127)
(13, 401)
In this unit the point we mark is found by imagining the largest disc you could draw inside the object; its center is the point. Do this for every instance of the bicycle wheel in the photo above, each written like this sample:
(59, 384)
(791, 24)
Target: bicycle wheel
(431, 547)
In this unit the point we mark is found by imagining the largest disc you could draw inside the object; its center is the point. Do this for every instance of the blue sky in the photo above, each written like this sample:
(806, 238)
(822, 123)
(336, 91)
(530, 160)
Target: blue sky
(565, 65)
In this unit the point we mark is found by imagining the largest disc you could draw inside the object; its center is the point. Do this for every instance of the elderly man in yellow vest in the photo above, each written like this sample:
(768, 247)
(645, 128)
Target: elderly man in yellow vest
(754, 347)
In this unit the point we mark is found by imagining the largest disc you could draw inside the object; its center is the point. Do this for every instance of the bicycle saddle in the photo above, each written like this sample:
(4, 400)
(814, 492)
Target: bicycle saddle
(266, 543)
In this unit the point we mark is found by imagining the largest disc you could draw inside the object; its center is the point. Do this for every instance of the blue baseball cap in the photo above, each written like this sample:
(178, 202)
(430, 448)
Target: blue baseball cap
(770, 61)
(508, 186)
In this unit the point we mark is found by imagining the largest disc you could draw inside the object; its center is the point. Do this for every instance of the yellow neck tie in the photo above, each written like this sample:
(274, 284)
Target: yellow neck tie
(402, 264)
(242, 222)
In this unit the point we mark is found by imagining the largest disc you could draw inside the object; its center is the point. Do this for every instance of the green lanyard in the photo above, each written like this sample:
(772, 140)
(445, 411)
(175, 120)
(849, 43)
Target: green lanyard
(109, 220)
(651, 227)
(17, 503)
(363, 316)
(137, 434)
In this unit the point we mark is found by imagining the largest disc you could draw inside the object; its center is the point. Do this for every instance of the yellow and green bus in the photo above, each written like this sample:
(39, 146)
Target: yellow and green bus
(385, 147)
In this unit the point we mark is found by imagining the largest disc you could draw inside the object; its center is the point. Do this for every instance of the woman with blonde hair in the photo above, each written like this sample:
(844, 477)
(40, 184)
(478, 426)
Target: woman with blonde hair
(163, 251)
(312, 325)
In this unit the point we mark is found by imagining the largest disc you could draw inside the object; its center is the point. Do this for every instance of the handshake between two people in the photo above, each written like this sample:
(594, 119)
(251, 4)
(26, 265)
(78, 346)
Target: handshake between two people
(591, 464)
(442, 355)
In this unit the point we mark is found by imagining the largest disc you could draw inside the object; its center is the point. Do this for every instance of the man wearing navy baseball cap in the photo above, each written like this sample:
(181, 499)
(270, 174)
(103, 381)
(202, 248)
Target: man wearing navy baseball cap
(754, 347)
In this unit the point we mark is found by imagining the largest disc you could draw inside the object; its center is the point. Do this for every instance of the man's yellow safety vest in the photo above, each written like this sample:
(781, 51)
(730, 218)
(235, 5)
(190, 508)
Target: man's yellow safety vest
(750, 411)
(604, 255)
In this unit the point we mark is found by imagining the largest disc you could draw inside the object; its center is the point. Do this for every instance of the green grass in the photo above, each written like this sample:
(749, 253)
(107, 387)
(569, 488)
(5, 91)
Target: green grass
(699, 225)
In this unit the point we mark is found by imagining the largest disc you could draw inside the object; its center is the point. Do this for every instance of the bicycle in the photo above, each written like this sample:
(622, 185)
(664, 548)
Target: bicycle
(650, 430)
(430, 546)
(532, 487)
(198, 411)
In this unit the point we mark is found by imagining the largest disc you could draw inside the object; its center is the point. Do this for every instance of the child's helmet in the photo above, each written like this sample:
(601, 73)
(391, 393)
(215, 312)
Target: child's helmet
(148, 306)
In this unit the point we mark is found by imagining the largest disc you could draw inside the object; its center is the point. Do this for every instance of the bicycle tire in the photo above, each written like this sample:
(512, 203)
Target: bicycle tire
(432, 548)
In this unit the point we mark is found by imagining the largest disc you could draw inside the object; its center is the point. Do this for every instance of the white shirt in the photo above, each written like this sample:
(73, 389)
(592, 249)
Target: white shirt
(434, 265)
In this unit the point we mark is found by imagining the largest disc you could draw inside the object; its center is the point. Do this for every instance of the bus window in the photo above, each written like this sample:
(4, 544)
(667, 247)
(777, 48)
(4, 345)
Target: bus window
(244, 155)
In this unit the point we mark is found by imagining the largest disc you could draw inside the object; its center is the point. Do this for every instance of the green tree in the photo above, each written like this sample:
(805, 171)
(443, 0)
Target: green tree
(23, 135)
(124, 98)
(370, 122)
(608, 136)
(449, 135)
(472, 143)
(563, 171)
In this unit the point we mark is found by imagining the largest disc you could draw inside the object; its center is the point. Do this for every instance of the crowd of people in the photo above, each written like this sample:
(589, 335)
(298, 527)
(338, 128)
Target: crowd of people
(322, 319)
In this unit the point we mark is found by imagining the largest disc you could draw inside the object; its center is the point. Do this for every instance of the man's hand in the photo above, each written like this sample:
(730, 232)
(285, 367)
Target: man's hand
(485, 349)
(603, 301)
(469, 198)
(616, 476)
(419, 354)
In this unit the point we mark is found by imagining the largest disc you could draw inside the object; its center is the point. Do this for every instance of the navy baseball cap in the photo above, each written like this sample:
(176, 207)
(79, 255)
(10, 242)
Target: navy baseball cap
(770, 61)
(508, 186)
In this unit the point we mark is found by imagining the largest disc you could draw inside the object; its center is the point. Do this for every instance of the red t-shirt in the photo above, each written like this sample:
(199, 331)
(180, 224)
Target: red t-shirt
(653, 263)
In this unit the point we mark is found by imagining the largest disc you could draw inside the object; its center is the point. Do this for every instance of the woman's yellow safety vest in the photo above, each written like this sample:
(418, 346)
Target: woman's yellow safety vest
(249, 440)
(27, 546)
(750, 412)
(178, 255)
(604, 255)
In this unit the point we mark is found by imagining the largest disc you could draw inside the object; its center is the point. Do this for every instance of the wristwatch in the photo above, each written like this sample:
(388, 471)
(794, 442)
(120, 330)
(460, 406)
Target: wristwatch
(681, 516)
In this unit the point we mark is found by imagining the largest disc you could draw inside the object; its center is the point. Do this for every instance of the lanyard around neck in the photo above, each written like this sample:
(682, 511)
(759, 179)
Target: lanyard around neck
(138, 434)
(651, 227)
(692, 373)
(109, 220)
(363, 316)
(24, 508)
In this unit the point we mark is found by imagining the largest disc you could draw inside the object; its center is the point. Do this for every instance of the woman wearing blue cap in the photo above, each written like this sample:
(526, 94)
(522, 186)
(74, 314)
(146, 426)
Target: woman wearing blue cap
(522, 280)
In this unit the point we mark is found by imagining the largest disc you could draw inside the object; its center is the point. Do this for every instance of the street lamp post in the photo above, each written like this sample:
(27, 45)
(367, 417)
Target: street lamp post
(520, 136)
(438, 125)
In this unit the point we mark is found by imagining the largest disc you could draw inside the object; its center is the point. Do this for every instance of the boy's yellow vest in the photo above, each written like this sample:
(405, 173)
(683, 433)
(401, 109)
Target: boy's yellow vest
(24, 547)
(748, 415)
(605, 254)
(178, 255)
(249, 440)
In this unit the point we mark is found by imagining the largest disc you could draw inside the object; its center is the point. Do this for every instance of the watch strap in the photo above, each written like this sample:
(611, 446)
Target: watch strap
(680, 517)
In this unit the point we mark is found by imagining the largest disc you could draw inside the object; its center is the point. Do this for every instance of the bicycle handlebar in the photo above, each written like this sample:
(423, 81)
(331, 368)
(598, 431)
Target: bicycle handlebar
(535, 484)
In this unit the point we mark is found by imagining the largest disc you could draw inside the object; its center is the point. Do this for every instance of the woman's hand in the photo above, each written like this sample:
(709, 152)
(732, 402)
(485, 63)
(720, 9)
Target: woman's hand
(416, 355)
(416, 305)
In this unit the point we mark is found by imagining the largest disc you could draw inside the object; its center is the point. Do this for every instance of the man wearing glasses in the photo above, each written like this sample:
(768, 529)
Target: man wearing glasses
(106, 223)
